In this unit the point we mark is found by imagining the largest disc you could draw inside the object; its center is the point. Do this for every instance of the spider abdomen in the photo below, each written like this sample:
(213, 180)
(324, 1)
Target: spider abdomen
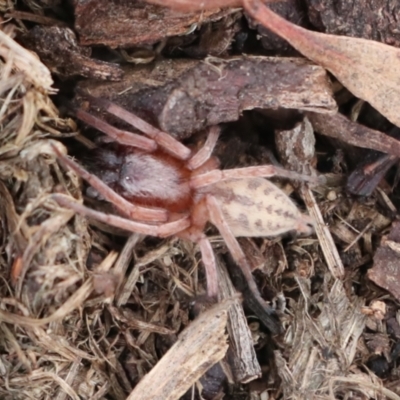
(256, 207)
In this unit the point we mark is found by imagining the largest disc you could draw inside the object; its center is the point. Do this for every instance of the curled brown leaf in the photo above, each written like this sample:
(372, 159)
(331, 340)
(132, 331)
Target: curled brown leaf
(369, 69)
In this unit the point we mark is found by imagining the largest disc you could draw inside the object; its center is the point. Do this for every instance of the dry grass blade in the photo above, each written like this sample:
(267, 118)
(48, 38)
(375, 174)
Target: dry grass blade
(75, 301)
(25, 61)
(338, 328)
(370, 70)
(325, 238)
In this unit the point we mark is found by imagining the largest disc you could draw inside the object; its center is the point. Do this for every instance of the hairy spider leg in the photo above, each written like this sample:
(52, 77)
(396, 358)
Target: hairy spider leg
(162, 230)
(266, 171)
(204, 154)
(217, 219)
(123, 205)
(210, 265)
(120, 136)
(165, 140)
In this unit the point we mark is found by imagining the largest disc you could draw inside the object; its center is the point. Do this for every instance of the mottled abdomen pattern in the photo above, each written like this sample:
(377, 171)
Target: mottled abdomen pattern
(256, 207)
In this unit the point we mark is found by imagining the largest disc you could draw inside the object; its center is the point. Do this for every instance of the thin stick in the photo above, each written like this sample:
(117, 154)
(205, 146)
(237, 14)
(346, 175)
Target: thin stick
(241, 350)
(325, 239)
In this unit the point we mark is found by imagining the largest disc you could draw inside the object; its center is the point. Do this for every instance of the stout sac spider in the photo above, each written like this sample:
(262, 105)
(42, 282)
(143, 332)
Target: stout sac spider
(159, 182)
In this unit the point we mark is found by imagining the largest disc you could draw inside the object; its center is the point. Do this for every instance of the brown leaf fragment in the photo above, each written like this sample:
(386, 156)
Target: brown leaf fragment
(291, 10)
(126, 23)
(376, 20)
(184, 96)
(339, 127)
(368, 69)
(59, 50)
(378, 343)
(201, 345)
(385, 271)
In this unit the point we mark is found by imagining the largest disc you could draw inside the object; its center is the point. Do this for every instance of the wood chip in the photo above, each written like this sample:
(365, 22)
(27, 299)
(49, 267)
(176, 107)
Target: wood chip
(184, 96)
(241, 351)
(296, 147)
(201, 345)
(125, 24)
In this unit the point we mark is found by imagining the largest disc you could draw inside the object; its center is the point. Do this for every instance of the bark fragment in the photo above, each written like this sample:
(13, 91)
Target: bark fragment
(385, 271)
(184, 96)
(376, 20)
(125, 23)
(58, 48)
(198, 348)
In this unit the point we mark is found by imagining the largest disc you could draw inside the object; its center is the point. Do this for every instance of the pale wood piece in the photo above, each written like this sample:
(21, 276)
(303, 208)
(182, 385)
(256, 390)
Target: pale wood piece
(241, 351)
(201, 345)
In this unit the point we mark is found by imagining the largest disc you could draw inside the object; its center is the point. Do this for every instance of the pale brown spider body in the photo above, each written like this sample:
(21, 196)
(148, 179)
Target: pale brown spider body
(155, 180)
(159, 182)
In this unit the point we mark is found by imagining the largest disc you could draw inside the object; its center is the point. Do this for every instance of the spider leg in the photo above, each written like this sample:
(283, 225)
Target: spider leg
(266, 171)
(205, 152)
(210, 265)
(263, 311)
(123, 205)
(163, 230)
(162, 138)
(120, 136)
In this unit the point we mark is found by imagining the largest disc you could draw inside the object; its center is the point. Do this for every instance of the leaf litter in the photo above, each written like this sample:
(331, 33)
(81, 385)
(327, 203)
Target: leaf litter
(61, 335)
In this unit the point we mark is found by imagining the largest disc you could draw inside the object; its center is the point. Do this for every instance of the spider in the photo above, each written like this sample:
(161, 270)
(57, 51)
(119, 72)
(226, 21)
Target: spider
(162, 188)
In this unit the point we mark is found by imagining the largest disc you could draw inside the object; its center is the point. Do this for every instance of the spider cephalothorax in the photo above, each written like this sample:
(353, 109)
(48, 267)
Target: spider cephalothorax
(162, 189)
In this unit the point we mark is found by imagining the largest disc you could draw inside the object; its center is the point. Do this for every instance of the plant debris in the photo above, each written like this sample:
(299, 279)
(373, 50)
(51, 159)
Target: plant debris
(385, 271)
(123, 24)
(369, 20)
(88, 311)
(59, 49)
(353, 61)
(200, 346)
(185, 96)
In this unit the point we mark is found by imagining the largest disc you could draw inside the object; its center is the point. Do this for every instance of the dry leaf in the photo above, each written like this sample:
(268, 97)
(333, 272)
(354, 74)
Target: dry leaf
(370, 70)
